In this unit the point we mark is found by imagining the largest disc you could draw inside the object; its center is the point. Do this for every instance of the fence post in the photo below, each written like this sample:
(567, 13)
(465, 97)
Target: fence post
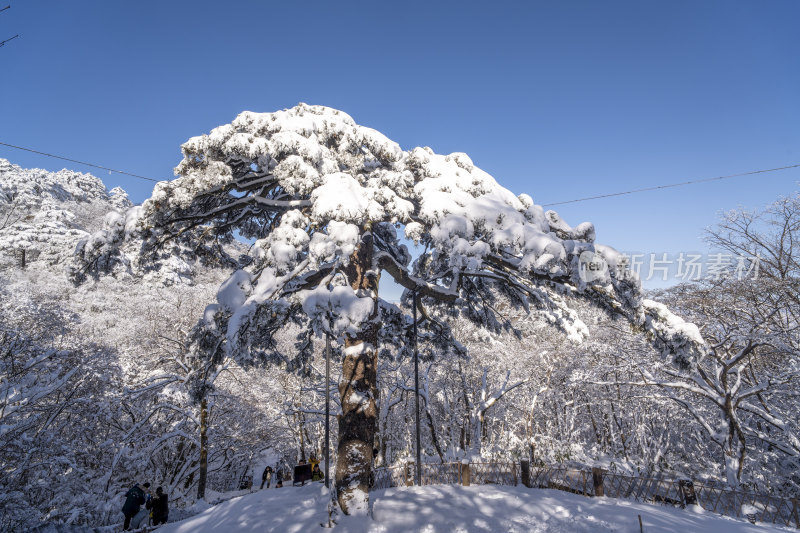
(597, 480)
(465, 474)
(525, 472)
(794, 513)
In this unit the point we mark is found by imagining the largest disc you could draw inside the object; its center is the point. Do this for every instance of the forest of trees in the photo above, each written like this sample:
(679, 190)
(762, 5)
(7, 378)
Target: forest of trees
(155, 342)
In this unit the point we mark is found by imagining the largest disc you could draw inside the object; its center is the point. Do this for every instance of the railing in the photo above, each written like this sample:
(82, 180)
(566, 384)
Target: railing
(441, 474)
(494, 473)
(762, 506)
(384, 478)
(597, 482)
(720, 500)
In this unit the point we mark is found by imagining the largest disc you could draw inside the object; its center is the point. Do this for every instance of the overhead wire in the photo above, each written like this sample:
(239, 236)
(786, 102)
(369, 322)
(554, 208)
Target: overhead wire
(9, 39)
(587, 198)
(80, 162)
(657, 187)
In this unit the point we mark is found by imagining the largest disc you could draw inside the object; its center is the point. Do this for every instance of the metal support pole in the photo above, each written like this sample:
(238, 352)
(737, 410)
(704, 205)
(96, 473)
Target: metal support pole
(327, 408)
(418, 476)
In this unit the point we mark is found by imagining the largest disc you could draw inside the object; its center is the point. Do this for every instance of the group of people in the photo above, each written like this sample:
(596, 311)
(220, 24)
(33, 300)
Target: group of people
(282, 473)
(266, 477)
(157, 506)
(316, 473)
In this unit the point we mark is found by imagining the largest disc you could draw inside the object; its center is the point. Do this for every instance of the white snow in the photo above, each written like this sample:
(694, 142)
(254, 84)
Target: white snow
(342, 301)
(338, 179)
(448, 508)
(340, 240)
(358, 349)
(673, 332)
(232, 293)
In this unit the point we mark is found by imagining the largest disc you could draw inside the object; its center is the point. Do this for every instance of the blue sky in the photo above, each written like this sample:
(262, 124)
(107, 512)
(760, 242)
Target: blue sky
(559, 100)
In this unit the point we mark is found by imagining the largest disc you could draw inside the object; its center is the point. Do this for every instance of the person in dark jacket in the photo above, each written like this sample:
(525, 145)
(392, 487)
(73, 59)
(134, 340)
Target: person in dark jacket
(316, 473)
(134, 499)
(159, 510)
(266, 477)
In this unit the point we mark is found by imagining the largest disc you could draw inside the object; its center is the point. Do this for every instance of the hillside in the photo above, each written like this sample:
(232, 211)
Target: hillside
(44, 214)
(95, 383)
(103, 373)
(439, 509)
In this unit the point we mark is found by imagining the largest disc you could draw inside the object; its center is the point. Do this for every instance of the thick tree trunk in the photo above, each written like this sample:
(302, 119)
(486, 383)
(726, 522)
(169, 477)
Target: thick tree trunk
(479, 434)
(734, 448)
(358, 391)
(734, 452)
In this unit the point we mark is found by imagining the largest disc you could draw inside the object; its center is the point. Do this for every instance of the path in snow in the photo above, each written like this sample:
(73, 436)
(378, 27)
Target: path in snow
(451, 509)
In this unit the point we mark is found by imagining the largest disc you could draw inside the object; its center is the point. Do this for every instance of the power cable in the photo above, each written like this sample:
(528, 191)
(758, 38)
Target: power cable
(12, 38)
(597, 197)
(80, 162)
(657, 187)
(2, 43)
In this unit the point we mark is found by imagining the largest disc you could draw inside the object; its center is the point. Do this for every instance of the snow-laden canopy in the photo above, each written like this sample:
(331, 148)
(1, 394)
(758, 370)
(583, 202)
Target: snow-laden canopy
(321, 198)
(306, 183)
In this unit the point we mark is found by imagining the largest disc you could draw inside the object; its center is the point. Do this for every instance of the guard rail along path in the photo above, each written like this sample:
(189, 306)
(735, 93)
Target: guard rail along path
(599, 482)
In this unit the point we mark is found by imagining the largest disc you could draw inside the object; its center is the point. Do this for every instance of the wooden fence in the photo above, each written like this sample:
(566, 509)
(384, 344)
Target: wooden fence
(598, 482)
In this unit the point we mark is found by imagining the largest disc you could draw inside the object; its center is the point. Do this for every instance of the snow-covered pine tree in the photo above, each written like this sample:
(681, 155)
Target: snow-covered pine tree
(322, 198)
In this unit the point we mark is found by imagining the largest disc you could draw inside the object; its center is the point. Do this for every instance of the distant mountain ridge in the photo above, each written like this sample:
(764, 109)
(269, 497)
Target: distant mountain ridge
(44, 215)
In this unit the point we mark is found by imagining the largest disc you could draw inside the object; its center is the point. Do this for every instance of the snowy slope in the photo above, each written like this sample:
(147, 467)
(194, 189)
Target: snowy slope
(47, 213)
(71, 357)
(434, 509)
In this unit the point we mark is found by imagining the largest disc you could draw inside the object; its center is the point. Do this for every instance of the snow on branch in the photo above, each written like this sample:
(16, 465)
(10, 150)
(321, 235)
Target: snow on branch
(308, 184)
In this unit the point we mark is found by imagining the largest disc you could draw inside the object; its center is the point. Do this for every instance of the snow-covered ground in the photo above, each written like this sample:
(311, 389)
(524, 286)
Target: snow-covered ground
(435, 509)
